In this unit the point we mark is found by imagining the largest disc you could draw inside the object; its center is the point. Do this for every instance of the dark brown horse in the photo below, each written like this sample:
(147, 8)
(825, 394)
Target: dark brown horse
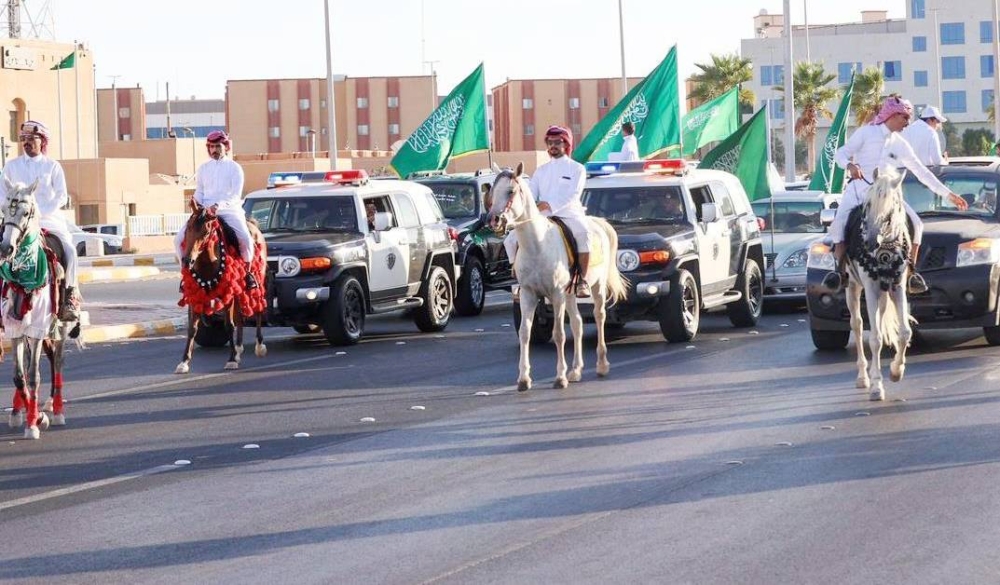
(213, 282)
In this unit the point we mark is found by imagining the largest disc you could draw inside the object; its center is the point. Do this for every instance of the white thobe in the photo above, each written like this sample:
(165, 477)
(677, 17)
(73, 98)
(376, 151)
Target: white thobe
(220, 182)
(559, 183)
(925, 143)
(872, 147)
(50, 196)
(630, 148)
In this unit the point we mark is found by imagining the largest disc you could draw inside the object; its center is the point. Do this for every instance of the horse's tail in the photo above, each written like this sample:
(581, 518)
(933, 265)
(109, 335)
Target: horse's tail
(891, 323)
(617, 284)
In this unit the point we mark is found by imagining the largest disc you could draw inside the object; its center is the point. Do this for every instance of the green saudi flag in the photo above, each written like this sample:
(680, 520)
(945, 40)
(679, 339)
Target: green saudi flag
(711, 121)
(744, 154)
(67, 63)
(829, 177)
(457, 127)
(653, 108)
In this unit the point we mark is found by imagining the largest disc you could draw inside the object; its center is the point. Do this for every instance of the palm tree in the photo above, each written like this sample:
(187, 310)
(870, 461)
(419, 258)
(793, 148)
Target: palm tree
(812, 92)
(724, 73)
(867, 100)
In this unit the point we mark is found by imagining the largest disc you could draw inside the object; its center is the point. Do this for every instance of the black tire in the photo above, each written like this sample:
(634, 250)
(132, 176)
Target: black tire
(344, 312)
(680, 312)
(435, 313)
(211, 333)
(992, 335)
(306, 329)
(541, 328)
(830, 340)
(471, 295)
(746, 311)
(81, 249)
(107, 248)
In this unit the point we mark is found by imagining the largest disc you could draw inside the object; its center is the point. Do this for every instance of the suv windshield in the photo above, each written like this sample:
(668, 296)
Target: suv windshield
(635, 204)
(978, 189)
(791, 217)
(303, 214)
(457, 200)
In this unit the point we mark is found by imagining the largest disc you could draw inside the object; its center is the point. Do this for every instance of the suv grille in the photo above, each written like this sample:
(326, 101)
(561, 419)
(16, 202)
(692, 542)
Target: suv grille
(933, 259)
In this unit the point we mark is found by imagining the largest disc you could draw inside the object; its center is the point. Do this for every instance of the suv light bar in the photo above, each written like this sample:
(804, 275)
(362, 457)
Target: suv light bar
(351, 177)
(674, 166)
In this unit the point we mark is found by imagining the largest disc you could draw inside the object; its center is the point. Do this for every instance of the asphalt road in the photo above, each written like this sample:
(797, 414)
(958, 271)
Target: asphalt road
(744, 457)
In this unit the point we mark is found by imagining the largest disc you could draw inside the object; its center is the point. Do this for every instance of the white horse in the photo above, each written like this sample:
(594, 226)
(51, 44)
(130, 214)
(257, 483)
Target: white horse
(878, 262)
(31, 285)
(542, 266)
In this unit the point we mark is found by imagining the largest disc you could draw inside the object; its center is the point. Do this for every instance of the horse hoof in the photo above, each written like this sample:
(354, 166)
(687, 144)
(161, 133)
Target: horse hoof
(260, 350)
(232, 366)
(863, 383)
(603, 370)
(15, 419)
(59, 420)
(896, 376)
(523, 385)
(32, 433)
(43, 421)
(47, 407)
(560, 383)
(182, 368)
(877, 395)
(575, 375)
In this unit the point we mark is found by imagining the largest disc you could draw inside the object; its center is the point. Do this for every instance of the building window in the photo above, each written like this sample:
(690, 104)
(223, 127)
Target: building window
(126, 137)
(274, 132)
(919, 79)
(304, 131)
(952, 67)
(393, 129)
(766, 77)
(986, 65)
(892, 70)
(362, 129)
(776, 109)
(125, 112)
(987, 99)
(574, 103)
(953, 102)
(529, 129)
(304, 104)
(576, 129)
(393, 101)
(844, 71)
(527, 104)
(322, 103)
(272, 105)
(953, 33)
(919, 44)
(916, 9)
(362, 103)
(602, 102)
(985, 31)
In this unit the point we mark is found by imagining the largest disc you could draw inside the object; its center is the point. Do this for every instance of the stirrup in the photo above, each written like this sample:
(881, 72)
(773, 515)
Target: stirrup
(582, 290)
(916, 285)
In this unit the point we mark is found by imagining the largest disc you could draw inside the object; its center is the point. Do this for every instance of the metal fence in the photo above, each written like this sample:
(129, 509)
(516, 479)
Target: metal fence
(156, 225)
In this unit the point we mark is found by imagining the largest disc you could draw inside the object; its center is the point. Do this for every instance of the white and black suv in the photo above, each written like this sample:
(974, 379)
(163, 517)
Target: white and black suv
(688, 241)
(328, 267)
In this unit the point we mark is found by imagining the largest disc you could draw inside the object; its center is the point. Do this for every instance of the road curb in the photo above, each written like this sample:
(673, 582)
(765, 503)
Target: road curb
(133, 330)
(136, 261)
(115, 273)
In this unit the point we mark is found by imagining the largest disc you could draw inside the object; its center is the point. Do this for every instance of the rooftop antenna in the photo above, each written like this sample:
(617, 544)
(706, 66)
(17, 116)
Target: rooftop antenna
(40, 19)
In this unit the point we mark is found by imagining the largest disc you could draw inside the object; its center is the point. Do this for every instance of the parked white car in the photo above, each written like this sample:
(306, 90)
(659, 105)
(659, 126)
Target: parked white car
(112, 243)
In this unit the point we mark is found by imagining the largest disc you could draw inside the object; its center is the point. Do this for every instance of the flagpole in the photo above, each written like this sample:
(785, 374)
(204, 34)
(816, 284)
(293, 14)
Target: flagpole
(59, 101)
(621, 36)
(76, 69)
(331, 110)
(486, 120)
(770, 222)
(789, 83)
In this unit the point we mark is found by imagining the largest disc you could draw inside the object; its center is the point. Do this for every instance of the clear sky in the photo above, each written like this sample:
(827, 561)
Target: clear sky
(197, 45)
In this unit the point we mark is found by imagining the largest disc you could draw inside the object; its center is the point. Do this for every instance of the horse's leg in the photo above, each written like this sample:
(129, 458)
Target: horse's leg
(576, 327)
(528, 303)
(56, 357)
(185, 365)
(16, 418)
(876, 308)
(898, 365)
(600, 316)
(47, 350)
(235, 345)
(33, 418)
(858, 328)
(260, 349)
(559, 338)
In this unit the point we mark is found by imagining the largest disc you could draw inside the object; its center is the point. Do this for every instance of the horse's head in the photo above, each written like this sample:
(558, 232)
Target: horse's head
(512, 200)
(20, 216)
(199, 227)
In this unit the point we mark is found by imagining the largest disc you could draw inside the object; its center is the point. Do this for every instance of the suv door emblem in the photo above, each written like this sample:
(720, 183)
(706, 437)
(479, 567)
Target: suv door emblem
(390, 260)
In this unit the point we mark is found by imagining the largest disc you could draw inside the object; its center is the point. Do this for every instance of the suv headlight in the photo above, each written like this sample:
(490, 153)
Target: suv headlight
(628, 260)
(288, 266)
(798, 259)
(821, 256)
(978, 251)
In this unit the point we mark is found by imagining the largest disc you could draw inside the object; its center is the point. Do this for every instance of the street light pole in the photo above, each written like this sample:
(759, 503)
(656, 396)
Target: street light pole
(788, 82)
(621, 36)
(331, 110)
(996, 74)
(114, 94)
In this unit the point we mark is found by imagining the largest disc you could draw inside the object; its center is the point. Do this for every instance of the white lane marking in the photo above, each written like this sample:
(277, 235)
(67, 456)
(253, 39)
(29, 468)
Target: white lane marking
(90, 485)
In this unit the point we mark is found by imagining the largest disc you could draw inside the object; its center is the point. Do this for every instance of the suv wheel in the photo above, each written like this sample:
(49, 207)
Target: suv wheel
(471, 290)
(992, 335)
(746, 311)
(830, 340)
(680, 312)
(435, 313)
(344, 312)
(541, 327)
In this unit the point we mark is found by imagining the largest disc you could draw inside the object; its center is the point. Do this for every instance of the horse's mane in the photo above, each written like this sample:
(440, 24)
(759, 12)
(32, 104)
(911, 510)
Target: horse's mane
(886, 215)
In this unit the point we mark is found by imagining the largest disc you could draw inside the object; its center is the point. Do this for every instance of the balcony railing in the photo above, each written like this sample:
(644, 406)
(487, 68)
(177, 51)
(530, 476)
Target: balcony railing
(156, 225)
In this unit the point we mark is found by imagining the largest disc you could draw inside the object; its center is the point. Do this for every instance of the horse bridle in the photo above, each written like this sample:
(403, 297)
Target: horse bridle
(503, 224)
(25, 219)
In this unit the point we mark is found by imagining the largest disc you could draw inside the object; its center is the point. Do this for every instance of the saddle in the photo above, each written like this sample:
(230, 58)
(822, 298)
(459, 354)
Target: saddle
(569, 240)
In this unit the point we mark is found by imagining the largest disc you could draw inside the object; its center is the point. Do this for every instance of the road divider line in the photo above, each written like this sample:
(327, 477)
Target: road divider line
(90, 485)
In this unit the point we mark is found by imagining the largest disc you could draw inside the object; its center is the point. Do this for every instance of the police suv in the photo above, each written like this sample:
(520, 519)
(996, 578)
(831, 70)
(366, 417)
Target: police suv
(329, 266)
(688, 241)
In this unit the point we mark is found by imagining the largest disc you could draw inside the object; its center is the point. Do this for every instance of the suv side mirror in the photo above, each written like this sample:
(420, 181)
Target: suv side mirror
(709, 212)
(826, 216)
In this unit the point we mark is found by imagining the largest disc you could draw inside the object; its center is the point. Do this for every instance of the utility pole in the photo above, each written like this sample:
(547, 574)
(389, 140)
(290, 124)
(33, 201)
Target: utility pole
(331, 109)
(996, 74)
(621, 36)
(805, 16)
(114, 93)
(789, 98)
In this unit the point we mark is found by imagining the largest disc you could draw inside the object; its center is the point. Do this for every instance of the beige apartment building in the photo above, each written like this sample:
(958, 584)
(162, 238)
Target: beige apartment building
(285, 115)
(524, 108)
(131, 119)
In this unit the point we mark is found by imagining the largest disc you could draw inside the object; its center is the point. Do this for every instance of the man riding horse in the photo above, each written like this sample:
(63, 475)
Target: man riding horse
(50, 196)
(869, 148)
(220, 190)
(558, 185)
